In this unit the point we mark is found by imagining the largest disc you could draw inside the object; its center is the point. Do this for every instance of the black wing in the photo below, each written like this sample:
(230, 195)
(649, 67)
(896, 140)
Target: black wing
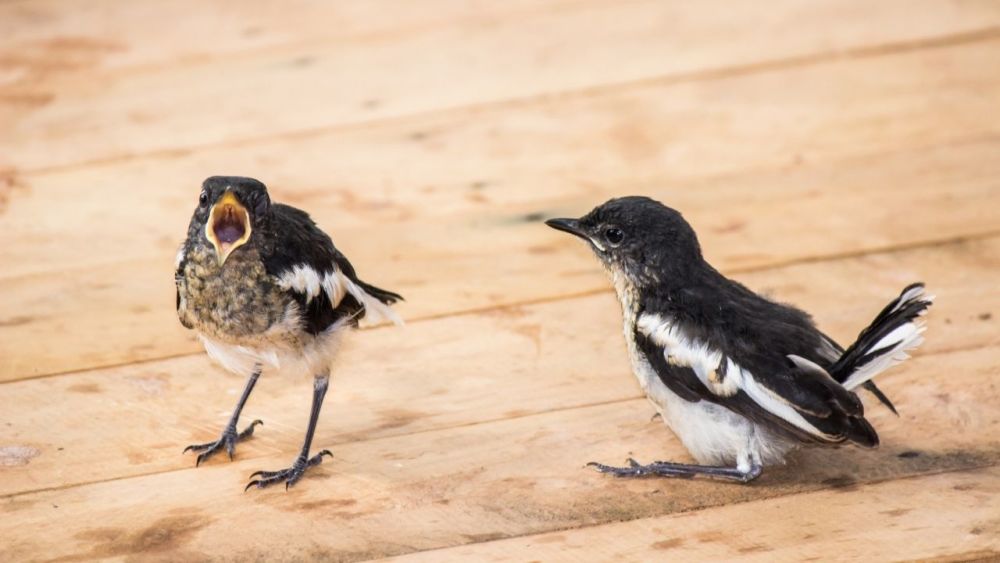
(304, 261)
(753, 357)
(795, 400)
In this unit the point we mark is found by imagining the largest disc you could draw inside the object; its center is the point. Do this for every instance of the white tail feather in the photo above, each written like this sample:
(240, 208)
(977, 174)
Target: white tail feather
(893, 349)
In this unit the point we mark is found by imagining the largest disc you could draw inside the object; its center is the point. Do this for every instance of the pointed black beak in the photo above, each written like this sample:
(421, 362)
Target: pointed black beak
(571, 226)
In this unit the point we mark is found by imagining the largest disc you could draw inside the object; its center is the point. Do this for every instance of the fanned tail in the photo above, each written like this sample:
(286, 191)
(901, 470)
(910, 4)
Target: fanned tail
(887, 340)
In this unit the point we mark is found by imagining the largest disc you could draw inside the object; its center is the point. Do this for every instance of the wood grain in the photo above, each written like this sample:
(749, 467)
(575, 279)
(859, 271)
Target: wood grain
(847, 131)
(475, 482)
(544, 357)
(938, 517)
(51, 38)
(828, 153)
(91, 115)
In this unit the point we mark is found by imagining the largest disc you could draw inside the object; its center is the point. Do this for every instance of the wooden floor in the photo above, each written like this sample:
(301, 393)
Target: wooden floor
(828, 152)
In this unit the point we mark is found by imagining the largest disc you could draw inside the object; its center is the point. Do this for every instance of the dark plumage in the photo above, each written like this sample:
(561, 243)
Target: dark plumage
(741, 379)
(264, 286)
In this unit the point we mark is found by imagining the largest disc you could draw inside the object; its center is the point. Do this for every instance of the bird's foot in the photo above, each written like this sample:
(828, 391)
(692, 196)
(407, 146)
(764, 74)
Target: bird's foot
(290, 476)
(635, 469)
(681, 470)
(227, 440)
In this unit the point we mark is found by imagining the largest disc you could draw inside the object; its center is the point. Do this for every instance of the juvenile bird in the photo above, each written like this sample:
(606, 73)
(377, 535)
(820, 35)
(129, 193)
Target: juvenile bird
(264, 287)
(741, 380)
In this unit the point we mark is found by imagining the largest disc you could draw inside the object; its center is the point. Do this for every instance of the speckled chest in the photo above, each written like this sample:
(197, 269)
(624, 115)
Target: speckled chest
(235, 302)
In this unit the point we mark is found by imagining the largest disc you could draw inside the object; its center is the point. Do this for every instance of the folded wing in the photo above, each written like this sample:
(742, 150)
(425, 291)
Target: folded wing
(794, 394)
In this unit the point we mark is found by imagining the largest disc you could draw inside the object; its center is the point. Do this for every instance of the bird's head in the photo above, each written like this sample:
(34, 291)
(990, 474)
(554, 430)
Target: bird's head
(229, 209)
(638, 239)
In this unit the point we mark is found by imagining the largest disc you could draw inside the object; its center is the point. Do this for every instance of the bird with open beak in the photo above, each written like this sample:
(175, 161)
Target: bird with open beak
(740, 380)
(263, 286)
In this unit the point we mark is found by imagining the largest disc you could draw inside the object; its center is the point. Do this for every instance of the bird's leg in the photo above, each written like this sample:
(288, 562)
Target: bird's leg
(682, 470)
(292, 474)
(229, 435)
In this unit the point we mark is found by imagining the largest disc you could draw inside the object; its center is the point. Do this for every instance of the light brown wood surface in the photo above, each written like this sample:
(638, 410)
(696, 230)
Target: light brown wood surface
(828, 153)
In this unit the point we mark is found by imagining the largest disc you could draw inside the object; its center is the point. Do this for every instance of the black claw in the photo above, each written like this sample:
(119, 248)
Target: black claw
(229, 439)
(197, 447)
(248, 431)
(318, 458)
(290, 476)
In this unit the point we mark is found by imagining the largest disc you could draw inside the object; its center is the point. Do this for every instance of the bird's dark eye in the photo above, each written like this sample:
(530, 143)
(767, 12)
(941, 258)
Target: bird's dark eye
(203, 199)
(614, 236)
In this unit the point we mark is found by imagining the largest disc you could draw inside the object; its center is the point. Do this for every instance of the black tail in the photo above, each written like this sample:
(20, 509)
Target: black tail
(383, 295)
(886, 341)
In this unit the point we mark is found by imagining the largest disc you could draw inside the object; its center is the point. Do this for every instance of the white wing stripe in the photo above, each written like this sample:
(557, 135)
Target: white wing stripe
(681, 350)
(303, 279)
(306, 280)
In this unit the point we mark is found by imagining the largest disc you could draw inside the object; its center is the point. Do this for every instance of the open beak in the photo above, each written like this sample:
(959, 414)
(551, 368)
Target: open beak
(228, 226)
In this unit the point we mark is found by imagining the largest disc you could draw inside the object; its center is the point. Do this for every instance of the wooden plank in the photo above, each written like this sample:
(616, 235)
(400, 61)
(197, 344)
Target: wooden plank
(483, 481)
(663, 139)
(88, 115)
(46, 38)
(550, 356)
(117, 312)
(948, 517)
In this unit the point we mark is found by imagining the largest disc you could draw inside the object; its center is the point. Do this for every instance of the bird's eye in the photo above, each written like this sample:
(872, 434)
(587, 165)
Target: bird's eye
(203, 199)
(614, 236)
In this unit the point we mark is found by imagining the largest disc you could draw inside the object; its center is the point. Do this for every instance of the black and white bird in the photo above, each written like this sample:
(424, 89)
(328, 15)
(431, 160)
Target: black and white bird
(264, 287)
(741, 380)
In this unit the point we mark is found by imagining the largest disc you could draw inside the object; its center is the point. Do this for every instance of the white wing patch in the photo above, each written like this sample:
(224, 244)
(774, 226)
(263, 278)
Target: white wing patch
(679, 349)
(307, 281)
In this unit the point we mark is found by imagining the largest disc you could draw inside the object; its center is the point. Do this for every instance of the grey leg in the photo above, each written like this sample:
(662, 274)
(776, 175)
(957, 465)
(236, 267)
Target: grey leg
(229, 435)
(292, 474)
(681, 470)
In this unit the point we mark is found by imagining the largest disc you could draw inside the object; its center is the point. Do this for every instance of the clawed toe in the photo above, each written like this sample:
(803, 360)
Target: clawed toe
(290, 476)
(635, 469)
(228, 441)
(679, 470)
